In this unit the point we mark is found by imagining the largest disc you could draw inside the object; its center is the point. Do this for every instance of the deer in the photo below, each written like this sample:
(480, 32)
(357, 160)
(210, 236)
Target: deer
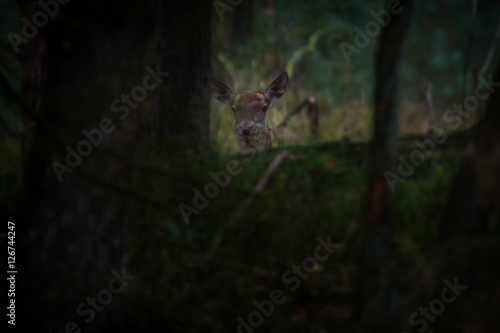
(250, 109)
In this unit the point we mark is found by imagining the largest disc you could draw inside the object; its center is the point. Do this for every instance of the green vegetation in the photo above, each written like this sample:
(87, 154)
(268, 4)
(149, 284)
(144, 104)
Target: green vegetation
(313, 193)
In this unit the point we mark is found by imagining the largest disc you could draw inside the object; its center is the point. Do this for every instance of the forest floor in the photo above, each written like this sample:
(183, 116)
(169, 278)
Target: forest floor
(318, 191)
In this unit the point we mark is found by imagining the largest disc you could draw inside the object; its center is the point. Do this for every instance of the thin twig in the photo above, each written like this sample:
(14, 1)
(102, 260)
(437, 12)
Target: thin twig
(491, 52)
(291, 114)
(270, 171)
(264, 180)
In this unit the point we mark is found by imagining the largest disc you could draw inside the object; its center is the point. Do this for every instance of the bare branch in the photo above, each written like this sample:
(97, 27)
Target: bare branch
(270, 171)
(491, 52)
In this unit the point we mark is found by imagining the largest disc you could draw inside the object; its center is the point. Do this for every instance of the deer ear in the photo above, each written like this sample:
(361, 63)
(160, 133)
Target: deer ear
(277, 88)
(220, 90)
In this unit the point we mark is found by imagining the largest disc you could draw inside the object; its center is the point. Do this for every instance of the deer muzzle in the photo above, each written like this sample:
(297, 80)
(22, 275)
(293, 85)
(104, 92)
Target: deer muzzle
(247, 129)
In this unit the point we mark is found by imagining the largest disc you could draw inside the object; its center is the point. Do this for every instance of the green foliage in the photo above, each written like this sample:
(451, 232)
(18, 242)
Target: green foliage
(312, 45)
(304, 38)
(313, 194)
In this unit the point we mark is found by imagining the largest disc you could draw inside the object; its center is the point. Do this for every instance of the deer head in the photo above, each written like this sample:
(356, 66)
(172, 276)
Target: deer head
(250, 109)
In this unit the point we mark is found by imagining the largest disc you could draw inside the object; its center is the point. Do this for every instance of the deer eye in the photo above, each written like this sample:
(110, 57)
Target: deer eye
(265, 108)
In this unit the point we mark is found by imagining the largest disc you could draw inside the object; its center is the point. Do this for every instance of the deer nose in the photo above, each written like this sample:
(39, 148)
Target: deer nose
(246, 129)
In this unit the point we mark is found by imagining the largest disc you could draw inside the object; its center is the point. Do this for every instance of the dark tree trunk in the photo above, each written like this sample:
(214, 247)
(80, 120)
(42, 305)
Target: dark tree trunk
(468, 232)
(242, 26)
(70, 232)
(384, 149)
(183, 99)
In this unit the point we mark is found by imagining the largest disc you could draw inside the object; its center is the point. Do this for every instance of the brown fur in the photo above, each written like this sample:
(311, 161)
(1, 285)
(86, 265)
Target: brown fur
(250, 109)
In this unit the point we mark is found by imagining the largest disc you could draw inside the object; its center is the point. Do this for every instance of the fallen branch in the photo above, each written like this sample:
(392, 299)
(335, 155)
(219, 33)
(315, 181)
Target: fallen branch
(312, 112)
(264, 180)
(292, 113)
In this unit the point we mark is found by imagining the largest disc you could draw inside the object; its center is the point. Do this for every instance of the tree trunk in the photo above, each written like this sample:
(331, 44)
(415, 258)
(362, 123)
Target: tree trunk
(470, 225)
(183, 99)
(242, 26)
(384, 149)
(69, 231)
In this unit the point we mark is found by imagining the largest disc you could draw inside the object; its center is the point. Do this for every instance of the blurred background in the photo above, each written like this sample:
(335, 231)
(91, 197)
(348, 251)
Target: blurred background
(109, 137)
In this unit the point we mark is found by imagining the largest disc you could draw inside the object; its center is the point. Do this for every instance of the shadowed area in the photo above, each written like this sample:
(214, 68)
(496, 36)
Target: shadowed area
(249, 166)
